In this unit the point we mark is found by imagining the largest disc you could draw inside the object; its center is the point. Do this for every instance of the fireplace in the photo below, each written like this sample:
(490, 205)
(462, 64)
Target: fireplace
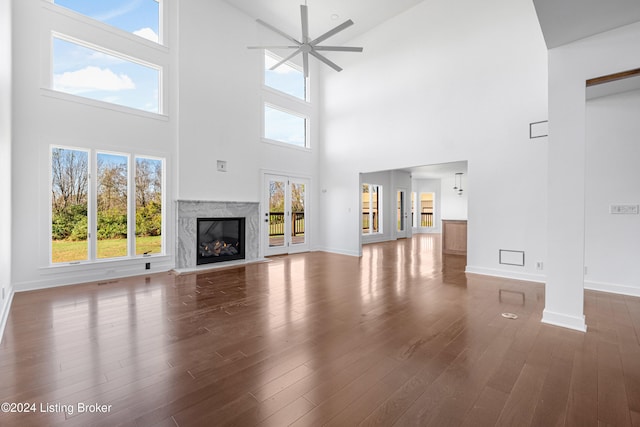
(220, 239)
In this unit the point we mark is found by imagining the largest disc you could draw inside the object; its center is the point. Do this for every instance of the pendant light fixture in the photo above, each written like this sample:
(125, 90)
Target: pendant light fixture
(457, 185)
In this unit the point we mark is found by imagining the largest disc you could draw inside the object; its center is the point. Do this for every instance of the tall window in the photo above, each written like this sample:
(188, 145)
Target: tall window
(86, 227)
(148, 182)
(426, 209)
(139, 17)
(287, 78)
(69, 205)
(95, 74)
(286, 107)
(371, 208)
(112, 205)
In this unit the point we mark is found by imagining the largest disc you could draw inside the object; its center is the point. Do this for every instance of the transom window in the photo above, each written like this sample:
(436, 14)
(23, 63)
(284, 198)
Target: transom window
(139, 17)
(287, 78)
(96, 74)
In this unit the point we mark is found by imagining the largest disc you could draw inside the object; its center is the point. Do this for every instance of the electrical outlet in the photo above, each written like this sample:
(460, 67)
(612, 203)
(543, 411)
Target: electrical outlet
(147, 266)
(539, 265)
(222, 165)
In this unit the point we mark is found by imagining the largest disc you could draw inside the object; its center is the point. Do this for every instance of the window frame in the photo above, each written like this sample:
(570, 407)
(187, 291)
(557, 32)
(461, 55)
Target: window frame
(92, 208)
(307, 134)
(379, 207)
(162, 24)
(116, 54)
(307, 88)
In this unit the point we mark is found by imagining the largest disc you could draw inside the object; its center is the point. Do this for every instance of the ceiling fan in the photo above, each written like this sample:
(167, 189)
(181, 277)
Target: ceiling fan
(307, 46)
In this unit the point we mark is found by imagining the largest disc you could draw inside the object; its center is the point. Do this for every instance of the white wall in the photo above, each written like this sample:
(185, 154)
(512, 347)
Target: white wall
(41, 118)
(221, 104)
(454, 205)
(6, 288)
(439, 84)
(612, 247)
(569, 67)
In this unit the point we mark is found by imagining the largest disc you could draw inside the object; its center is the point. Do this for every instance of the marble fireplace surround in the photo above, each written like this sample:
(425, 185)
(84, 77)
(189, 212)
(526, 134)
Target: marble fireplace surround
(188, 211)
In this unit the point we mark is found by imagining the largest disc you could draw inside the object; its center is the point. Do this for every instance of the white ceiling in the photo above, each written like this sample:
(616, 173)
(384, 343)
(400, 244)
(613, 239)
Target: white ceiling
(565, 21)
(324, 14)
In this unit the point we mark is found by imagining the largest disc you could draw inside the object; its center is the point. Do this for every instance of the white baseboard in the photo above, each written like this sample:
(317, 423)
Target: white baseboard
(93, 274)
(538, 278)
(5, 312)
(612, 288)
(571, 322)
(337, 251)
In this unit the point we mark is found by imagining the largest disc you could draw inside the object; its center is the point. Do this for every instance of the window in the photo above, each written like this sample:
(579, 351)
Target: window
(69, 205)
(148, 182)
(426, 209)
(139, 17)
(286, 110)
(287, 78)
(95, 74)
(77, 215)
(283, 126)
(371, 208)
(112, 205)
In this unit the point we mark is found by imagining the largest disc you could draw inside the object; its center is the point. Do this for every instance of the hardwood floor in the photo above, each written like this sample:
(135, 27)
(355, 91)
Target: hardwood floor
(399, 337)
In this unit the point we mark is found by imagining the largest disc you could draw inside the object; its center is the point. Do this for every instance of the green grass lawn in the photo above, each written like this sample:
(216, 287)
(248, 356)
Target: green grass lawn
(67, 251)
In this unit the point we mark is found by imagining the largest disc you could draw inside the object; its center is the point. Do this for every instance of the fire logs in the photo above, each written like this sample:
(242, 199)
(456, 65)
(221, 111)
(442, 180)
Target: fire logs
(218, 248)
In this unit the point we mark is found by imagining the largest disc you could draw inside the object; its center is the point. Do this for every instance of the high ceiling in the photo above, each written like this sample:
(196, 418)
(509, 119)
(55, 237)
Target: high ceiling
(324, 14)
(565, 21)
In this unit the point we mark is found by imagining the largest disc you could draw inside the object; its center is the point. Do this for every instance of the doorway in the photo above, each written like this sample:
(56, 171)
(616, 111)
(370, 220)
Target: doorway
(285, 214)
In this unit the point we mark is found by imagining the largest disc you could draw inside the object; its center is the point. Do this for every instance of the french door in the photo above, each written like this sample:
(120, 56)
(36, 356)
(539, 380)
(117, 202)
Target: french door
(284, 214)
(401, 214)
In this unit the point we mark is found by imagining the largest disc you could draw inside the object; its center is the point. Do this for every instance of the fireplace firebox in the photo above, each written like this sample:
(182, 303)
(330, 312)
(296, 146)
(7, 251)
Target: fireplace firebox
(220, 239)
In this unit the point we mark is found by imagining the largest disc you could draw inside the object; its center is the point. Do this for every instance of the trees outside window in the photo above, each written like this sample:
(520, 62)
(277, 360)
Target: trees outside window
(85, 227)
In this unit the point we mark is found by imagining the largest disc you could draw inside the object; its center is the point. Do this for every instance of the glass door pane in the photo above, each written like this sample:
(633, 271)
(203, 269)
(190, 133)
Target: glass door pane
(400, 210)
(277, 223)
(298, 202)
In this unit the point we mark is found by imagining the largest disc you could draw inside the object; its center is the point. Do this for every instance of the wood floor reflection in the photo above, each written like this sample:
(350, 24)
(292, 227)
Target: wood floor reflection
(400, 336)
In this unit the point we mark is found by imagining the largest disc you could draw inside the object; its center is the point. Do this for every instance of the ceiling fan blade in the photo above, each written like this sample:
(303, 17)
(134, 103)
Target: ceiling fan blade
(305, 63)
(304, 17)
(326, 61)
(332, 32)
(273, 47)
(275, 30)
(273, 67)
(339, 48)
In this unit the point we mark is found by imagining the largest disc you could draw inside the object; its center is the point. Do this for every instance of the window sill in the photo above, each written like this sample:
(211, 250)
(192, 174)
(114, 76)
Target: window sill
(101, 104)
(285, 145)
(67, 267)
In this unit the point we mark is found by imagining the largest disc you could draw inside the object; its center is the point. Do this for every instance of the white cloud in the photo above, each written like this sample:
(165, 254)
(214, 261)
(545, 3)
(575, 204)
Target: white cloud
(114, 13)
(91, 78)
(147, 33)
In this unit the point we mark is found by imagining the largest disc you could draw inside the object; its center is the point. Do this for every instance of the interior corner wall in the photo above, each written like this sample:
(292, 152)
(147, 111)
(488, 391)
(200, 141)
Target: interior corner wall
(569, 68)
(612, 247)
(439, 84)
(6, 288)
